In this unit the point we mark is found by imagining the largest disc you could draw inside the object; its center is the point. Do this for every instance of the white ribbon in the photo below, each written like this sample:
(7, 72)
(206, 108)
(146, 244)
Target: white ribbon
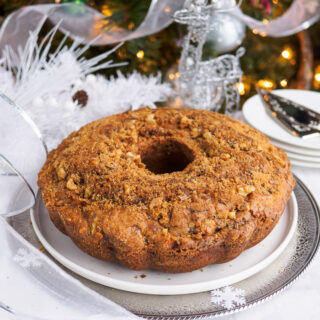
(22, 153)
(301, 15)
(84, 22)
(33, 287)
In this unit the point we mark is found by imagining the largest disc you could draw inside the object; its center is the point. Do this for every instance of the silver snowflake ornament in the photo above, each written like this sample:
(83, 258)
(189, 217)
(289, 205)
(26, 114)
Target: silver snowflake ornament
(27, 259)
(228, 297)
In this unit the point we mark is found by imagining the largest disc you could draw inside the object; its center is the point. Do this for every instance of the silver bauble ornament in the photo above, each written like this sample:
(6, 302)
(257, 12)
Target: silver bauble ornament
(226, 32)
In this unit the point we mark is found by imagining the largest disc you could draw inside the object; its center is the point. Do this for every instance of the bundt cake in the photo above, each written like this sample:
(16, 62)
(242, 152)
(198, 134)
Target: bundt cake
(166, 189)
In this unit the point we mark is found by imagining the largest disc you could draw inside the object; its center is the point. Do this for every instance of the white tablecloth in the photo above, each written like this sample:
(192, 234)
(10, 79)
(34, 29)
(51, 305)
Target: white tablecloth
(300, 301)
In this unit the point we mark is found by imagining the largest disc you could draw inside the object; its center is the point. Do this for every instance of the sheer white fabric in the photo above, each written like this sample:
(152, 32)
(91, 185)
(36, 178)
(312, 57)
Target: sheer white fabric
(33, 287)
(22, 153)
(88, 24)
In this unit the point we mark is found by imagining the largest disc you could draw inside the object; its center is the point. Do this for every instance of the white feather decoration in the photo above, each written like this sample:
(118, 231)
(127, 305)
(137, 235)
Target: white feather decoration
(44, 85)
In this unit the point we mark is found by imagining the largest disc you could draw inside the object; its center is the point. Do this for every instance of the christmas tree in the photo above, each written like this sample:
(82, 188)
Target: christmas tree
(295, 60)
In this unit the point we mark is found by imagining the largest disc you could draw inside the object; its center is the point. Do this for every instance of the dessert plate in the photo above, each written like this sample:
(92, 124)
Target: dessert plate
(256, 115)
(295, 156)
(214, 276)
(304, 164)
(296, 150)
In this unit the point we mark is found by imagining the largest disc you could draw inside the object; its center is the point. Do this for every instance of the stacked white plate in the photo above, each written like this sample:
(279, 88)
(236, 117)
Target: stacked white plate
(303, 152)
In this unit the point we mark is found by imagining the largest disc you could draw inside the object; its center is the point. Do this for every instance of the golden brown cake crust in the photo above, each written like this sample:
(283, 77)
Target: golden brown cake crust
(167, 189)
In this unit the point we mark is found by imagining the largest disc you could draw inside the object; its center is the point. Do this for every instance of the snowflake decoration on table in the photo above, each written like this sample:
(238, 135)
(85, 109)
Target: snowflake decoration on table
(228, 297)
(27, 258)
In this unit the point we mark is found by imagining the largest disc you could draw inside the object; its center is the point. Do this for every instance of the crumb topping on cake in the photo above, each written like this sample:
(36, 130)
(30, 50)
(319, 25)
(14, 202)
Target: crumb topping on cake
(170, 189)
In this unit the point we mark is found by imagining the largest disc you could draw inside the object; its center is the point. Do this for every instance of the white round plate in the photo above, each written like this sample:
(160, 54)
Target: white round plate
(213, 276)
(256, 115)
(296, 150)
(299, 157)
(304, 164)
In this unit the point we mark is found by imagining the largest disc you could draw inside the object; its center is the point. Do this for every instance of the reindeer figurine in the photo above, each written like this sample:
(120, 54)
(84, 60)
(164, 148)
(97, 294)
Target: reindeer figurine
(206, 84)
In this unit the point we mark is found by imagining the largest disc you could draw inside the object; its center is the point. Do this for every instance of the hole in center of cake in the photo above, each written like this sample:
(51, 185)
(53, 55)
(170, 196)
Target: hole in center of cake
(167, 156)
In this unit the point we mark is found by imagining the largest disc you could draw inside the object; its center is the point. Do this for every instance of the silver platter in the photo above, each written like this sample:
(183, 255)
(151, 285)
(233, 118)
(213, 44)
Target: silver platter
(258, 288)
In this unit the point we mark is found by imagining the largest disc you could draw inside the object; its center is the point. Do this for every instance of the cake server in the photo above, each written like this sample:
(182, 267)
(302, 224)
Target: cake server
(297, 119)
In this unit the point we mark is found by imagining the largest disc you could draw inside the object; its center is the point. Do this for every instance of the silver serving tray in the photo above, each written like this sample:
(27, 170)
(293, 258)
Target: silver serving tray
(258, 288)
